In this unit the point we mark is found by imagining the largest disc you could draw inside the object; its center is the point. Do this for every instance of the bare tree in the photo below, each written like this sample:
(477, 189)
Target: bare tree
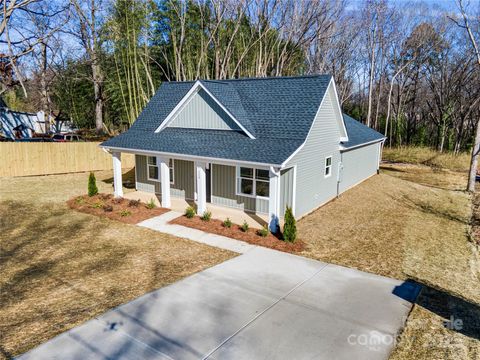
(472, 174)
(87, 13)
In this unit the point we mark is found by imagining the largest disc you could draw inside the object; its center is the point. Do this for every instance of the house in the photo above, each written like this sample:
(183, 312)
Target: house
(257, 145)
(24, 125)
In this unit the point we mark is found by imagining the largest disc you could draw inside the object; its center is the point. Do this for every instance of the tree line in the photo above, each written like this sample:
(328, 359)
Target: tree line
(409, 70)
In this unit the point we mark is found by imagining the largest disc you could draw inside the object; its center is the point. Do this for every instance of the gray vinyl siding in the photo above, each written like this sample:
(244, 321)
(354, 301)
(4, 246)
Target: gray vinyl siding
(202, 112)
(358, 165)
(223, 191)
(142, 182)
(286, 189)
(184, 183)
(312, 188)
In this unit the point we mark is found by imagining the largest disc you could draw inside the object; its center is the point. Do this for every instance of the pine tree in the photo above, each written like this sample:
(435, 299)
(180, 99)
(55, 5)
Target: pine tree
(92, 185)
(290, 227)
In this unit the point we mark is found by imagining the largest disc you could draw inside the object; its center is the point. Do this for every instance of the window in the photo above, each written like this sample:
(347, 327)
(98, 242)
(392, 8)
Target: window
(253, 182)
(153, 172)
(328, 166)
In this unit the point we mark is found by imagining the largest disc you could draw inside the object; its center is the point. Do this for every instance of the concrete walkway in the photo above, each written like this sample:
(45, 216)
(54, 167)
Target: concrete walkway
(262, 304)
(160, 223)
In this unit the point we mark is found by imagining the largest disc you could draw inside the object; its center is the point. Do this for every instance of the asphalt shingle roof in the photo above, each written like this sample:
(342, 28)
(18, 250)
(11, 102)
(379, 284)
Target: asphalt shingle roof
(278, 112)
(358, 133)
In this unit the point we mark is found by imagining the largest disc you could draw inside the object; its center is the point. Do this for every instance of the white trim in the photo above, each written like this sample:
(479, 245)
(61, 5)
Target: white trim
(136, 169)
(344, 149)
(274, 199)
(254, 180)
(315, 119)
(344, 138)
(330, 167)
(192, 157)
(200, 173)
(148, 169)
(117, 174)
(193, 91)
(309, 131)
(172, 178)
(210, 169)
(294, 190)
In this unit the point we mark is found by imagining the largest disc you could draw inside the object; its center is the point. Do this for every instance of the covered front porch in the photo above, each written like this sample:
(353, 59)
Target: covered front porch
(218, 212)
(241, 192)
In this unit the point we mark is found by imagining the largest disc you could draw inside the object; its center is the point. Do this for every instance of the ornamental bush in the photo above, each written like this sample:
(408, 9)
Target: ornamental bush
(290, 226)
(190, 212)
(263, 232)
(227, 223)
(207, 215)
(92, 185)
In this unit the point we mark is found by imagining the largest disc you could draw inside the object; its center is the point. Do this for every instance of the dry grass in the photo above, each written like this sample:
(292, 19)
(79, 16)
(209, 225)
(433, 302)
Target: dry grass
(391, 225)
(60, 267)
(427, 156)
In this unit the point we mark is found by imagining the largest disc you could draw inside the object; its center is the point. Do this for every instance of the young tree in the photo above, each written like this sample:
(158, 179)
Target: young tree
(472, 174)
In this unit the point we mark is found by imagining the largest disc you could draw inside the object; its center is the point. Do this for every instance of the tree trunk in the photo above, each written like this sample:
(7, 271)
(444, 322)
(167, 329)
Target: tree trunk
(44, 89)
(98, 89)
(472, 175)
(371, 76)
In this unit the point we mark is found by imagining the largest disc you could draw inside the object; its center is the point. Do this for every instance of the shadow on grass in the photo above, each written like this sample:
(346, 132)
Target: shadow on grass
(429, 209)
(44, 247)
(458, 314)
(128, 179)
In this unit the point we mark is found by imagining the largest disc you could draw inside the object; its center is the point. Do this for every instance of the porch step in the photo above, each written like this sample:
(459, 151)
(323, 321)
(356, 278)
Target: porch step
(161, 224)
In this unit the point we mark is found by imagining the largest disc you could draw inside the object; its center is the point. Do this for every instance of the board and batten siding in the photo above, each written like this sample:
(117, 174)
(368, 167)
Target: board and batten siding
(223, 191)
(312, 187)
(286, 189)
(358, 165)
(202, 112)
(184, 183)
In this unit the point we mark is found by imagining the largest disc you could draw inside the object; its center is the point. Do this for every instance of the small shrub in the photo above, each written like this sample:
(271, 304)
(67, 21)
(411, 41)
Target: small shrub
(290, 226)
(227, 223)
(98, 205)
(263, 232)
(92, 185)
(107, 208)
(133, 203)
(117, 200)
(151, 204)
(207, 215)
(244, 226)
(125, 212)
(190, 212)
(79, 200)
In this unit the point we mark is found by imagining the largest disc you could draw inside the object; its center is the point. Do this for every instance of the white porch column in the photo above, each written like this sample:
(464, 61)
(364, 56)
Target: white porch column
(201, 187)
(163, 166)
(117, 174)
(274, 200)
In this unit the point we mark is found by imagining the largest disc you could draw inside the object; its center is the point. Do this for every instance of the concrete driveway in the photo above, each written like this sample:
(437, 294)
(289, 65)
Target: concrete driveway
(261, 305)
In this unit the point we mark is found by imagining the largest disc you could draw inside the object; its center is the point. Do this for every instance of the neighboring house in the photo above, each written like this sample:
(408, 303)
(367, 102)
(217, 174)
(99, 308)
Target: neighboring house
(23, 125)
(257, 145)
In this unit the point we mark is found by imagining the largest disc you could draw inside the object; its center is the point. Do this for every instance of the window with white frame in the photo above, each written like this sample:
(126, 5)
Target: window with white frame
(253, 182)
(328, 166)
(153, 172)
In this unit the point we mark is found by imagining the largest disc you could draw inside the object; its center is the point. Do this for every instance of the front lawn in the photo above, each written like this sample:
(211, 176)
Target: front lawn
(410, 222)
(60, 267)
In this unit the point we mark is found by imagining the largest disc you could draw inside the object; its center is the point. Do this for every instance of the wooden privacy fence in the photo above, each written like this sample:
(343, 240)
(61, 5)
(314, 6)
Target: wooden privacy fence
(23, 158)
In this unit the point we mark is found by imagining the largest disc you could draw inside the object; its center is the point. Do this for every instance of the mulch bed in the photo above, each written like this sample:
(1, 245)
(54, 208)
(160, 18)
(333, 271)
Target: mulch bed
(124, 210)
(215, 226)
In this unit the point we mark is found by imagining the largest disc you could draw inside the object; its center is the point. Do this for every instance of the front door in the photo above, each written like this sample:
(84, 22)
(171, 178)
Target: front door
(208, 180)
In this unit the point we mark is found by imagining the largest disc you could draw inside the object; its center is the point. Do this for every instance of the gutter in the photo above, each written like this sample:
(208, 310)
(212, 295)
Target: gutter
(343, 149)
(189, 157)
